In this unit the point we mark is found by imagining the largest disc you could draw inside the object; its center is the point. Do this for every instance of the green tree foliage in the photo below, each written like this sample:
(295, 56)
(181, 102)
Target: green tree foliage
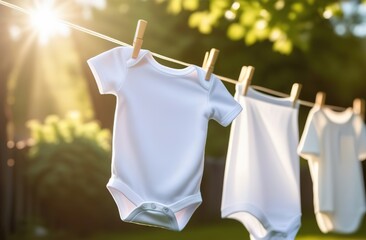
(284, 23)
(68, 170)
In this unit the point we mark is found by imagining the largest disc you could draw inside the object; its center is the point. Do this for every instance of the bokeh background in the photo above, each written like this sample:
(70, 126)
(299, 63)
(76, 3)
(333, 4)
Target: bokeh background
(55, 127)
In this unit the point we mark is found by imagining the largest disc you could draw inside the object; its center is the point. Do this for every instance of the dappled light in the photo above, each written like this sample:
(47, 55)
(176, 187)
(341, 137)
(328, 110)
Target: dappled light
(255, 21)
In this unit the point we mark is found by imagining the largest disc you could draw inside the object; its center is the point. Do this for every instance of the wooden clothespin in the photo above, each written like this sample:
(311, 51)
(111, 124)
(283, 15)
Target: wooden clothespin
(245, 77)
(320, 99)
(295, 93)
(359, 107)
(205, 60)
(139, 37)
(210, 64)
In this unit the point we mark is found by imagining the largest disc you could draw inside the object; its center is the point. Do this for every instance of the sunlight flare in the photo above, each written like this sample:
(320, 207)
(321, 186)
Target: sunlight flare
(44, 19)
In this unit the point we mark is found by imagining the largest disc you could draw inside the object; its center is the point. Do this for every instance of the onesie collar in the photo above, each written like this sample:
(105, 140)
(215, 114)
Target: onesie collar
(133, 61)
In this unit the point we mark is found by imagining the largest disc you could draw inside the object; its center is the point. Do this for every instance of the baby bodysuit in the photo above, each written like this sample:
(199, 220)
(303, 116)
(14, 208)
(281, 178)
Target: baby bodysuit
(334, 143)
(261, 183)
(159, 135)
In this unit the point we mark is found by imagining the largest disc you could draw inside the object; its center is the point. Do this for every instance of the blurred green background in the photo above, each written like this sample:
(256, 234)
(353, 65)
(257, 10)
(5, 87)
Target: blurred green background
(55, 127)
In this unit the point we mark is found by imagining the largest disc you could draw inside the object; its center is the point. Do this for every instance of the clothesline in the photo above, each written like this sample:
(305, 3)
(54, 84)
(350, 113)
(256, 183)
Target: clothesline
(118, 42)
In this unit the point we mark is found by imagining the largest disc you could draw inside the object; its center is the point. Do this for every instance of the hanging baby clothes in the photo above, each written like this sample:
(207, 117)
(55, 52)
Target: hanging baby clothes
(333, 143)
(261, 183)
(159, 135)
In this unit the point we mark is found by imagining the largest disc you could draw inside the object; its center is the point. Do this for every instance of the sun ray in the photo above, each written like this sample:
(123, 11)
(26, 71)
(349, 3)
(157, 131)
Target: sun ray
(44, 19)
(46, 78)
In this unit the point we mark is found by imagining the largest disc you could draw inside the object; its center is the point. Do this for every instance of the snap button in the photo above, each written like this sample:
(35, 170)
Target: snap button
(153, 206)
(165, 209)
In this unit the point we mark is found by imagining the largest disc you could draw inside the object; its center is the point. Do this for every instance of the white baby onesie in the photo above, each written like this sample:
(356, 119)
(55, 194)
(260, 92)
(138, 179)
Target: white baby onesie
(159, 135)
(334, 143)
(261, 183)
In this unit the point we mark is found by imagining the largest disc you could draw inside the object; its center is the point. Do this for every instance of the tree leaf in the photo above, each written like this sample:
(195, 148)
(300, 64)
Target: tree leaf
(175, 6)
(283, 46)
(248, 18)
(195, 19)
(251, 37)
(191, 5)
(235, 31)
(297, 7)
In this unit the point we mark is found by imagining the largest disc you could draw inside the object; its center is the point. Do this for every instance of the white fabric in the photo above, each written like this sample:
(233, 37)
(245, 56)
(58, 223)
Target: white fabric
(333, 143)
(159, 136)
(261, 183)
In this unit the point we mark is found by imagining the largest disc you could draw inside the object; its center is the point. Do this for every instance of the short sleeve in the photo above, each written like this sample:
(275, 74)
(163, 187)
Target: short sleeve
(362, 142)
(309, 142)
(108, 69)
(224, 108)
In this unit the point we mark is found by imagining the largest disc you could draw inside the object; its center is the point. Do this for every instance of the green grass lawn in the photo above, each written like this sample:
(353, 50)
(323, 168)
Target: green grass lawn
(225, 229)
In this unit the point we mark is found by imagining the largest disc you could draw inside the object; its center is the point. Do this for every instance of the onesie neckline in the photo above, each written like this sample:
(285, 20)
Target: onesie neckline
(144, 53)
(169, 70)
(173, 72)
(257, 95)
(338, 118)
